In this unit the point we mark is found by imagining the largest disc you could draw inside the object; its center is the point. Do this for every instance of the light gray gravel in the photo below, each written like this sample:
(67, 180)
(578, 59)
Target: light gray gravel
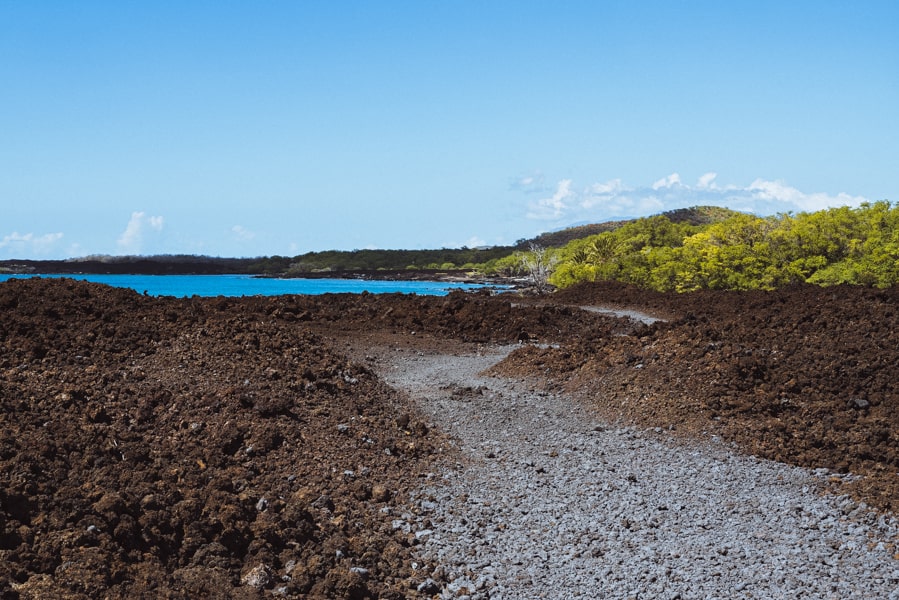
(550, 503)
(634, 315)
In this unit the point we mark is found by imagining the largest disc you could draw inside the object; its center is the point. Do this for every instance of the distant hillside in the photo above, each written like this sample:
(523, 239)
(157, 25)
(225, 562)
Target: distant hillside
(557, 239)
(696, 215)
(372, 260)
(335, 262)
(138, 265)
(330, 262)
(700, 215)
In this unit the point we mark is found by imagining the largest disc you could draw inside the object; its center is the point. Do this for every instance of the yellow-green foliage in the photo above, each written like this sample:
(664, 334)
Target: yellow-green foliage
(508, 265)
(625, 254)
(827, 247)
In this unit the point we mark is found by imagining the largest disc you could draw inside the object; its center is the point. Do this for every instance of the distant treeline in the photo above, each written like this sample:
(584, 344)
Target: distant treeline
(696, 215)
(682, 250)
(502, 260)
(373, 260)
(332, 261)
(142, 265)
(854, 246)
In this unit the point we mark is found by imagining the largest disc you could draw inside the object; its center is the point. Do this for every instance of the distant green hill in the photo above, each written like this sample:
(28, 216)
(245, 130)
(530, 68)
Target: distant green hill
(700, 215)
(709, 248)
(696, 215)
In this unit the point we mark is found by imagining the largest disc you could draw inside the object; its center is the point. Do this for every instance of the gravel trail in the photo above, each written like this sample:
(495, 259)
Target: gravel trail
(634, 315)
(547, 502)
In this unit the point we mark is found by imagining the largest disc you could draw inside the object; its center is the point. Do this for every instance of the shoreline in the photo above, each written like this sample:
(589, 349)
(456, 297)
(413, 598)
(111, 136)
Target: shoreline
(453, 276)
(38, 268)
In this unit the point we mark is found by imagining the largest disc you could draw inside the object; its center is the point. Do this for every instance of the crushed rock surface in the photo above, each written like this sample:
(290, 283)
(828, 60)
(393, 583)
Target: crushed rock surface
(547, 502)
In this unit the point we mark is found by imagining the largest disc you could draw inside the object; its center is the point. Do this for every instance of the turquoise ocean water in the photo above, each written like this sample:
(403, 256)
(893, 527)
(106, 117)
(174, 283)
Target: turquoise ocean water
(246, 285)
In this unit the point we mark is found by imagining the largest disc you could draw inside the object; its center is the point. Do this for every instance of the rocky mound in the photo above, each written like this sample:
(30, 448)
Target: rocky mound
(465, 316)
(192, 448)
(804, 375)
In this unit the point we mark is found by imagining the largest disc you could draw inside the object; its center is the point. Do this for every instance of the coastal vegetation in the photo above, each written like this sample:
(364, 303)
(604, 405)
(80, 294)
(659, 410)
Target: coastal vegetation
(856, 246)
(683, 250)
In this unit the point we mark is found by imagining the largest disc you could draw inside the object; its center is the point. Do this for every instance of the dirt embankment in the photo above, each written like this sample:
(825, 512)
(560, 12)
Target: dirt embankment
(228, 447)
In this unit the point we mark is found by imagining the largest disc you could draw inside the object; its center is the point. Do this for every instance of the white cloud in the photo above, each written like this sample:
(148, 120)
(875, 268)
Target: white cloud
(614, 199)
(667, 182)
(24, 245)
(707, 181)
(555, 206)
(773, 192)
(532, 183)
(242, 233)
(132, 239)
(611, 196)
(610, 187)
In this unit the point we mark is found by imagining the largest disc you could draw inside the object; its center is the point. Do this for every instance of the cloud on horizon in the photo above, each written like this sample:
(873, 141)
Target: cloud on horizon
(242, 234)
(613, 198)
(532, 183)
(139, 226)
(475, 242)
(18, 244)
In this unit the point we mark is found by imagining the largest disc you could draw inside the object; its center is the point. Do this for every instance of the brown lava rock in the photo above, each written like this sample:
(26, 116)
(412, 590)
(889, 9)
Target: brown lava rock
(189, 448)
(224, 447)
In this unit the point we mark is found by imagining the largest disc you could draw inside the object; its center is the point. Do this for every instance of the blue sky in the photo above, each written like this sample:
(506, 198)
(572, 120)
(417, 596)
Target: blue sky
(262, 128)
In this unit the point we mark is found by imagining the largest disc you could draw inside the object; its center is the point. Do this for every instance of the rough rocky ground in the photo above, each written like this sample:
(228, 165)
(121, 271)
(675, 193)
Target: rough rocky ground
(183, 449)
(247, 447)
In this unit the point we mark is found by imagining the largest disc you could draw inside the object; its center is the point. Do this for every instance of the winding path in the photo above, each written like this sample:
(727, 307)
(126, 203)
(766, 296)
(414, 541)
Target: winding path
(549, 503)
(633, 315)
